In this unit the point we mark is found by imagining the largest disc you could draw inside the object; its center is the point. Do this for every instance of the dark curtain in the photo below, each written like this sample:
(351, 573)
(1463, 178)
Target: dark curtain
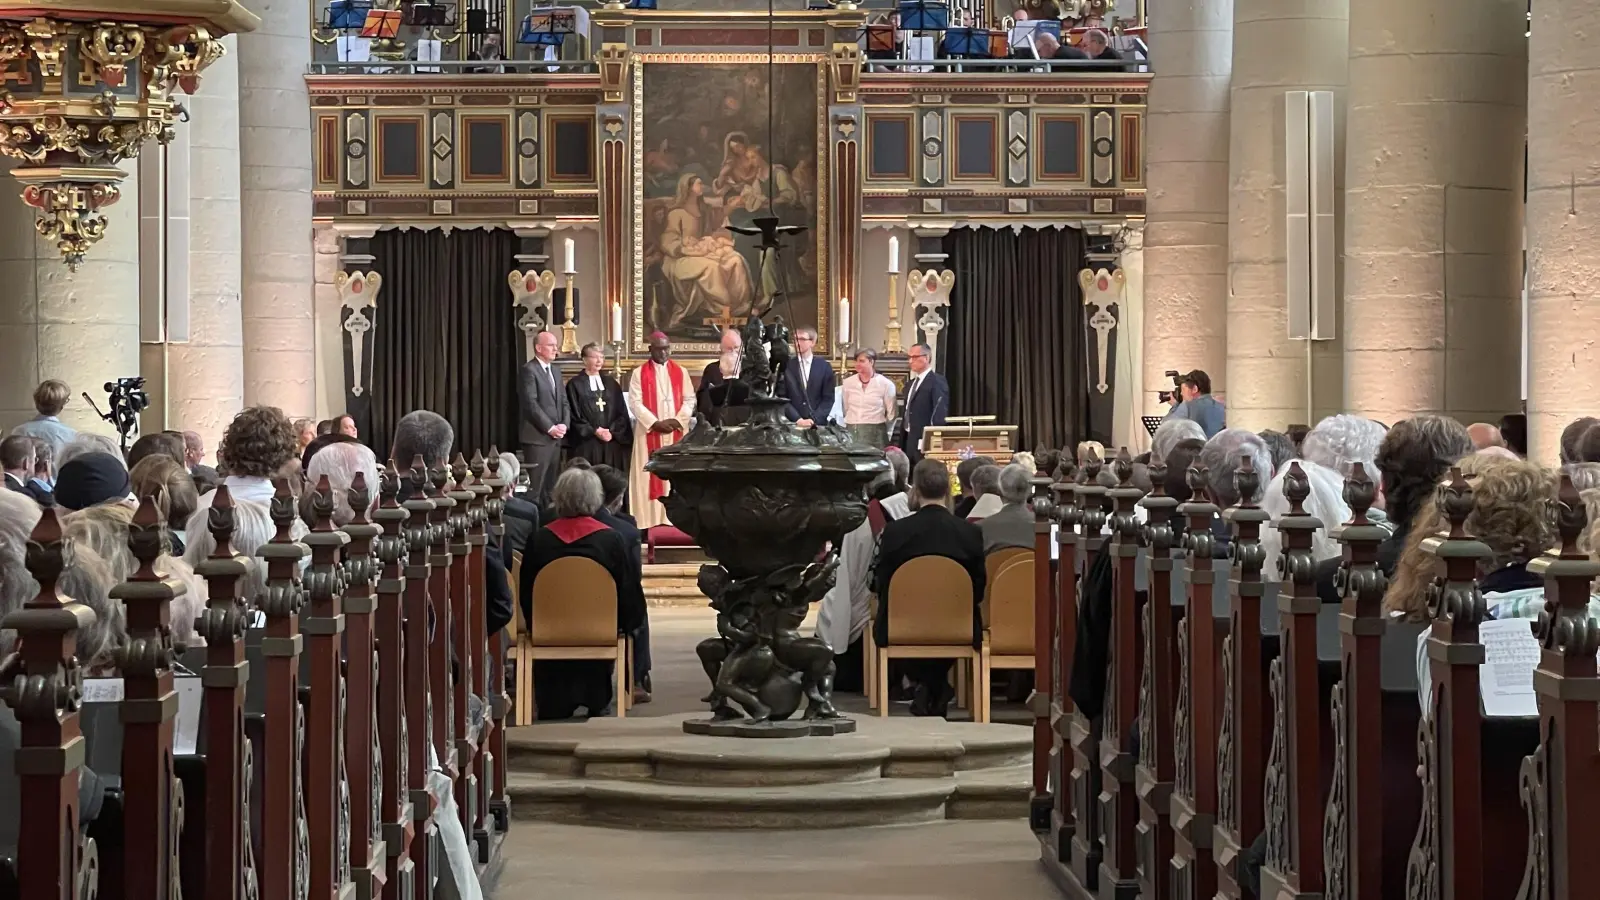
(445, 337)
(1014, 346)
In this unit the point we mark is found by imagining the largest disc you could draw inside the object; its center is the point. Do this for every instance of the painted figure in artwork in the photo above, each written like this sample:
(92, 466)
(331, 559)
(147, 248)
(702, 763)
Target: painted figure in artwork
(708, 276)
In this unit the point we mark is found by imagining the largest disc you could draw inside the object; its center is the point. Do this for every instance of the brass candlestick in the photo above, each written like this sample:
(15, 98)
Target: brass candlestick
(891, 342)
(569, 330)
(616, 351)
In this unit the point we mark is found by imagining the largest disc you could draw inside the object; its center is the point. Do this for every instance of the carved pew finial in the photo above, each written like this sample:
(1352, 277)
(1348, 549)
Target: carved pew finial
(1359, 493)
(1296, 488)
(359, 497)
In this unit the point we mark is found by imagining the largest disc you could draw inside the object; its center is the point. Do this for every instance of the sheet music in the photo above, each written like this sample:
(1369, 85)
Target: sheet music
(919, 46)
(1505, 679)
(102, 690)
(353, 48)
(186, 730)
(429, 51)
(1022, 35)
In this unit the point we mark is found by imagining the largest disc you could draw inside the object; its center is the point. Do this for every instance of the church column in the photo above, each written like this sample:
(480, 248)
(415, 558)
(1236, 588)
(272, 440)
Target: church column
(1563, 235)
(276, 178)
(1127, 383)
(205, 373)
(1433, 208)
(1278, 46)
(81, 327)
(1186, 197)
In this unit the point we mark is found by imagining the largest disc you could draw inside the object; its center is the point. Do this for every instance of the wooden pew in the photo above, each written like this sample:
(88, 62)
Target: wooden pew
(466, 590)
(285, 842)
(499, 704)
(1084, 734)
(327, 800)
(1042, 803)
(363, 754)
(1064, 603)
(1153, 776)
(1118, 801)
(477, 640)
(420, 717)
(1195, 720)
(395, 800)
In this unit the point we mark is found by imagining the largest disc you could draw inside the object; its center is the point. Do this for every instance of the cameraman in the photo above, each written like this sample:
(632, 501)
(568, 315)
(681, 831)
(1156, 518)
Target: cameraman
(1198, 404)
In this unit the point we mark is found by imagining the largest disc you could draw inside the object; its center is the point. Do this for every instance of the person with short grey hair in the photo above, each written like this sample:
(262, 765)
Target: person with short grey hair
(1225, 454)
(986, 488)
(1012, 524)
(422, 433)
(1171, 433)
(561, 687)
(88, 442)
(341, 462)
(1340, 441)
(898, 503)
(521, 516)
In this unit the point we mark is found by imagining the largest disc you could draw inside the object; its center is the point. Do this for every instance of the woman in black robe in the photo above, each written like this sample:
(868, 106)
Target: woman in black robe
(561, 686)
(600, 431)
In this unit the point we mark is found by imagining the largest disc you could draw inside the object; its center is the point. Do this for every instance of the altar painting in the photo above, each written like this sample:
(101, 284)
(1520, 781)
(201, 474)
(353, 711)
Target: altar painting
(706, 161)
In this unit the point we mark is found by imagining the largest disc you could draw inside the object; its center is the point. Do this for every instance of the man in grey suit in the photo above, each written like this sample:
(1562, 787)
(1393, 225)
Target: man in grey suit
(545, 413)
(1012, 525)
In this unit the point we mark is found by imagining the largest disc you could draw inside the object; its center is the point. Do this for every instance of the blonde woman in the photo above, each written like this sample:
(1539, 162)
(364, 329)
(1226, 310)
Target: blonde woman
(104, 529)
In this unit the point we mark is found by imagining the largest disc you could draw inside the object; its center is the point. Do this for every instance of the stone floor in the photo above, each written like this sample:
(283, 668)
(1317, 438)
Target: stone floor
(953, 859)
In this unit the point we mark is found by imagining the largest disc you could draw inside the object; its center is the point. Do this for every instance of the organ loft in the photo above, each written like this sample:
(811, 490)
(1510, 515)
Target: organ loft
(637, 448)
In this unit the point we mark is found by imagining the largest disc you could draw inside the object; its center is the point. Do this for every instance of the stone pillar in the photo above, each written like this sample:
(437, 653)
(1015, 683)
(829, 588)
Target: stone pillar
(205, 375)
(1186, 198)
(1279, 46)
(1127, 383)
(81, 327)
(1433, 208)
(1563, 233)
(275, 181)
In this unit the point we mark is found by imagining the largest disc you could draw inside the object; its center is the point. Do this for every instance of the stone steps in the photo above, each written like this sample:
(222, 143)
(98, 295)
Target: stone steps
(646, 773)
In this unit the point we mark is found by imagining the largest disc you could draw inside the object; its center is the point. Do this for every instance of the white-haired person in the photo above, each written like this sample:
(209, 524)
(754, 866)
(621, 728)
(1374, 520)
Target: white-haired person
(86, 579)
(1171, 432)
(340, 462)
(1326, 502)
(88, 442)
(521, 517)
(1341, 440)
(561, 687)
(1012, 524)
(104, 530)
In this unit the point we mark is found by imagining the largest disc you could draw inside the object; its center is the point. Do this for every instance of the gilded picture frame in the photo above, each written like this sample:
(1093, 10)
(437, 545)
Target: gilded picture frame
(704, 293)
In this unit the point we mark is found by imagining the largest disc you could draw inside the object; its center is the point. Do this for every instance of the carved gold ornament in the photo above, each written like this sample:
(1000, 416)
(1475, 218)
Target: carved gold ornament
(83, 96)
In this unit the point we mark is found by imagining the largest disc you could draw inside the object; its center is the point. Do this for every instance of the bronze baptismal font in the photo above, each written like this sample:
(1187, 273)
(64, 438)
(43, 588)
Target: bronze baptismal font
(771, 503)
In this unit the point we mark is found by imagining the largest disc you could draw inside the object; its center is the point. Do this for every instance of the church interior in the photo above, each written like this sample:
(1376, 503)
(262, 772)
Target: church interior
(463, 449)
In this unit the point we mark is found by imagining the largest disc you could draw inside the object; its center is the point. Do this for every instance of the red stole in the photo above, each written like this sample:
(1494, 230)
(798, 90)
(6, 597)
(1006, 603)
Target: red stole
(576, 528)
(654, 440)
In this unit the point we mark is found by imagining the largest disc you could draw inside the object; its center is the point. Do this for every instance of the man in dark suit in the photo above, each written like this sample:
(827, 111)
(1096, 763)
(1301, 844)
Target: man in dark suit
(545, 413)
(808, 382)
(521, 518)
(927, 401)
(16, 458)
(929, 531)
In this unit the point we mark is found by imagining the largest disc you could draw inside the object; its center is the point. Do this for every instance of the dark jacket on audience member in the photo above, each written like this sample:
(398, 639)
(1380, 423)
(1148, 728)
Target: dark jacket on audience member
(497, 608)
(1012, 526)
(520, 520)
(930, 531)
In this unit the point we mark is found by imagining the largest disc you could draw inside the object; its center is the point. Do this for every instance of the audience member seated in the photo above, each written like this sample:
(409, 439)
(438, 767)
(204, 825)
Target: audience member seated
(1514, 431)
(1171, 432)
(49, 399)
(1584, 475)
(1413, 456)
(1510, 515)
(1326, 502)
(1570, 436)
(104, 530)
(1092, 649)
(429, 435)
(561, 687)
(1012, 524)
(252, 527)
(258, 444)
(194, 456)
(92, 479)
(614, 513)
(305, 431)
(986, 488)
(845, 610)
(346, 425)
(521, 517)
(1085, 448)
(173, 487)
(1097, 46)
(42, 485)
(1485, 435)
(1197, 403)
(1050, 47)
(18, 459)
(326, 426)
(931, 530)
(326, 440)
(1280, 446)
(1341, 440)
(964, 470)
(89, 442)
(340, 462)
(1025, 459)
(166, 443)
(1589, 444)
(896, 497)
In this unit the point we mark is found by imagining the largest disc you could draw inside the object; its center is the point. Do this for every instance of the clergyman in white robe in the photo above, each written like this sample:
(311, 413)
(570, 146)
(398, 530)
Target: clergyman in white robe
(646, 510)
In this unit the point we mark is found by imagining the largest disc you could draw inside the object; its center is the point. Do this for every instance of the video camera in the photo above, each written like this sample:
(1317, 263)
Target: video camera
(126, 401)
(1177, 386)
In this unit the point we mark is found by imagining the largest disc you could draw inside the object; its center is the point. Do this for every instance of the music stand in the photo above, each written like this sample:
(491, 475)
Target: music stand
(548, 27)
(348, 15)
(965, 43)
(381, 23)
(999, 44)
(428, 15)
(641, 4)
(924, 15)
(880, 38)
(1151, 423)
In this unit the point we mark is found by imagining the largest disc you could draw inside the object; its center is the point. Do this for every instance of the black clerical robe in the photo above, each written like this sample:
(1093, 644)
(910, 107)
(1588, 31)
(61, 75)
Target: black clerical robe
(723, 401)
(561, 686)
(606, 409)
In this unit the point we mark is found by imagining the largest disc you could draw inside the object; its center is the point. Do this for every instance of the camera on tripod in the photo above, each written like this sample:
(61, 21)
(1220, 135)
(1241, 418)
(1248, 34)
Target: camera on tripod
(126, 401)
(1177, 386)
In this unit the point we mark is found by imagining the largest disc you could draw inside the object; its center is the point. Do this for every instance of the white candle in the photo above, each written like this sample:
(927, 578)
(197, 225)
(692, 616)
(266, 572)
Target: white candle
(572, 258)
(844, 320)
(894, 255)
(616, 322)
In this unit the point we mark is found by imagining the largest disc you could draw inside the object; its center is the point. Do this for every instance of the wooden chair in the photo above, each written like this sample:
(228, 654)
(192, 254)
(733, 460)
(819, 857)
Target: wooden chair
(930, 617)
(518, 646)
(575, 617)
(1008, 627)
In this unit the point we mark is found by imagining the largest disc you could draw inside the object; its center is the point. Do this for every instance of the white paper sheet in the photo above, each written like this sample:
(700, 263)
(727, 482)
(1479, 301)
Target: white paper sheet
(1505, 679)
(353, 48)
(186, 730)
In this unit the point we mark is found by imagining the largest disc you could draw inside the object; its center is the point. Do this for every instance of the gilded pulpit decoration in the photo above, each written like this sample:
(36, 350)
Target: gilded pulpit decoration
(1101, 290)
(930, 292)
(85, 96)
(358, 293)
(532, 292)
